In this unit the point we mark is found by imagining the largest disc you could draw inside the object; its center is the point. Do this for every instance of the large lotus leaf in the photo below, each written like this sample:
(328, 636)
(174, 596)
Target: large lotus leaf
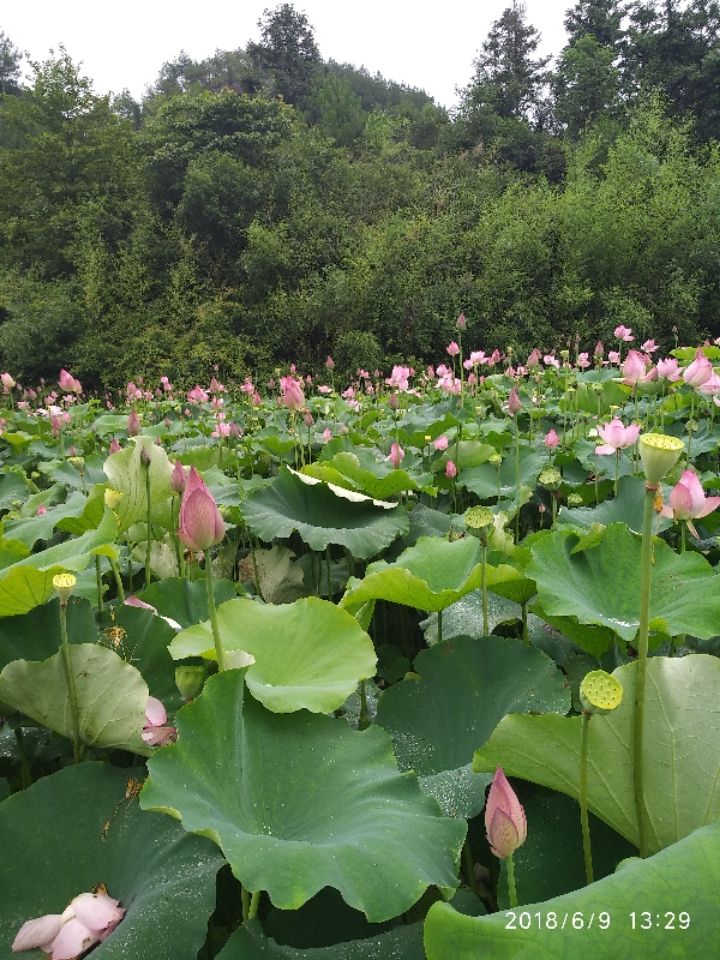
(627, 507)
(126, 472)
(323, 515)
(31, 529)
(594, 639)
(401, 943)
(28, 583)
(75, 829)
(299, 802)
(681, 751)
(466, 686)
(484, 482)
(308, 654)
(36, 635)
(465, 618)
(601, 584)
(466, 455)
(430, 575)
(186, 600)
(360, 471)
(64, 472)
(684, 878)
(13, 489)
(111, 696)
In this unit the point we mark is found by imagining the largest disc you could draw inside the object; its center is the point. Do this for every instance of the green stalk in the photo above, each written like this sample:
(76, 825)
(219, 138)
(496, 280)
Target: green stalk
(98, 578)
(512, 890)
(149, 528)
(517, 478)
(254, 903)
(484, 589)
(642, 652)
(70, 677)
(584, 821)
(363, 719)
(439, 627)
(219, 655)
(118, 579)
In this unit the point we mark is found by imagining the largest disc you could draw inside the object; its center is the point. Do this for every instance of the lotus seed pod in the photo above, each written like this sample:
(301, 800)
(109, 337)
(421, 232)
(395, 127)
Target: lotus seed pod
(64, 584)
(479, 518)
(659, 454)
(112, 498)
(190, 680)
(551, 478)
(600, 692)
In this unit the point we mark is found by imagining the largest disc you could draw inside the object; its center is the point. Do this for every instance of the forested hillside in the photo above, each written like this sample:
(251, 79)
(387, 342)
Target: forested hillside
(268, 205)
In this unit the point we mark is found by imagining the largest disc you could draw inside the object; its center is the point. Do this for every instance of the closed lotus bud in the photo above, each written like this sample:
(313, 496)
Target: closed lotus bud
(114, 446)
(190, 680)
(505, 822)
(178, 479)
(133, 424)
(201, 525)
(514, 403)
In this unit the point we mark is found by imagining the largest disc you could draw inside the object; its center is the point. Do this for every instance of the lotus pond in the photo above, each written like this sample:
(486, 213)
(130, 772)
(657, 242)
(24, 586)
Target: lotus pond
(424, 665)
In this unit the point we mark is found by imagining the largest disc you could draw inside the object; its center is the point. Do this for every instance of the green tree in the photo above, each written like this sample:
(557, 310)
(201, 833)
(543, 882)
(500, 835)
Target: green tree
(601, 19)
(10, 59)
(337, 110)
(288, 50)
(586, 83)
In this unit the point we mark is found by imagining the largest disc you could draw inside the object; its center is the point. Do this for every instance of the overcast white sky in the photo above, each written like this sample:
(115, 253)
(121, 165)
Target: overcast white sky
(424, 44)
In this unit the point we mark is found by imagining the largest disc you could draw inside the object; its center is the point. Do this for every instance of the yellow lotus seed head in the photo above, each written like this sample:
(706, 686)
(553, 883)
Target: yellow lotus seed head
(659, 454)
(77, 461)
(600, 692)
(64, 584)
(550, 477)
(574, 500)
(477, 518)
(112, 498)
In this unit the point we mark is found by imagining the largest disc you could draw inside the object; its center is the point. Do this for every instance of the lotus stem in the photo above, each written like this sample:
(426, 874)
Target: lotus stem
(584, 820)
(149, 528)
(525, 634)
(484, 589)
(98, 579)
(219, 655)
(439, 626)
(517, 478)
(118, 579)
(70, 677)
(363, 719)
(512, 889)
(642, 652)
(254, 903)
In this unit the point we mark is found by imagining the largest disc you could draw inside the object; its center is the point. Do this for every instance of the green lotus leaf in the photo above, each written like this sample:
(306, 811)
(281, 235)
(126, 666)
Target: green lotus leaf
(430, 575)
(323, 515)
(299, 802)
(483, 480)
(250, 943)
(186, 600)
(601, 584)
(13, 488)
(75, 829)
(626, 507)
(465, 618)
(466, 686)
(308, 654)
(111, 696)
(28, 583)
(362, 471)
(681, 751)
(125, 472)
(31, 529)
(683, 878)
(65, 473)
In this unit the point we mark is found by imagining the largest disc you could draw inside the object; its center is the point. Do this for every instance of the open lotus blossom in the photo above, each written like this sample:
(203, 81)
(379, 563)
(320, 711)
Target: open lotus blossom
(198, 395)
(668, 369)
(453, 349)
(710, 388)
(505, 822)
(7, 382)
(698, 371)
(68, 383)
(89, 919)
(688, 501)
(200, 524)
(156, 730)
(635, 370)
(399, 378)
(624, 333)
(616, 436)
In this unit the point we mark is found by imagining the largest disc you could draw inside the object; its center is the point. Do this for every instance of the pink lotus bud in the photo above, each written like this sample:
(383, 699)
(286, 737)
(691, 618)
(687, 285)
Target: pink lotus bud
(329, 363)
(308, 419)
(216, 386)
(461, 322)
(292, 395)
(327, 435)
(441, 442)
(453, 349)
(583, 361)
(551, 440)
(472, 380)
(200, 523)
(133, 424)
(7, 382)
(235, 430)
(114, 446)
(533, 359)
(699, 370)
(599, 351)
(41, 510)
(514, 403)
(450, 470)
(397, 455)
(393, 401)
(505, 822)
(69, 383)
(633, 368)
(165, 384)
(613, 356)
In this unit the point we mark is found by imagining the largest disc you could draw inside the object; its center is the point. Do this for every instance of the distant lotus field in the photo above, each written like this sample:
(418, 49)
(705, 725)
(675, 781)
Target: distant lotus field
(421, 664)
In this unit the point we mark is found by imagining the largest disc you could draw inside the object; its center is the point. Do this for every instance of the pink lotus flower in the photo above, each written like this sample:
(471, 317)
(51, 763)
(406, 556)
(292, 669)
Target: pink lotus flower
(198, 395)
(550, 360)
(89, 919)
(324, 388)
(451, 470)
(505, 822)
(710, 388)
(399, 378)
(613, 356)
(649, 346)
(583, 361)
(688, 500)
(41, 510)
(668, 369)
(533, 359)
(453, 349)
(616, 436)
(133, 424)
(7, 382)
(551, 440)
(68, 383)
(327, 435)
(114, 446)
(441, 442)
(156, 731)
(624, 333)
(476, 356)
(200, 523)
(216, 386)
(514, 403)
(633, 368)
(292, 395)
(166, 385)
(329, 363)
(397, 455)
(698, 371)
